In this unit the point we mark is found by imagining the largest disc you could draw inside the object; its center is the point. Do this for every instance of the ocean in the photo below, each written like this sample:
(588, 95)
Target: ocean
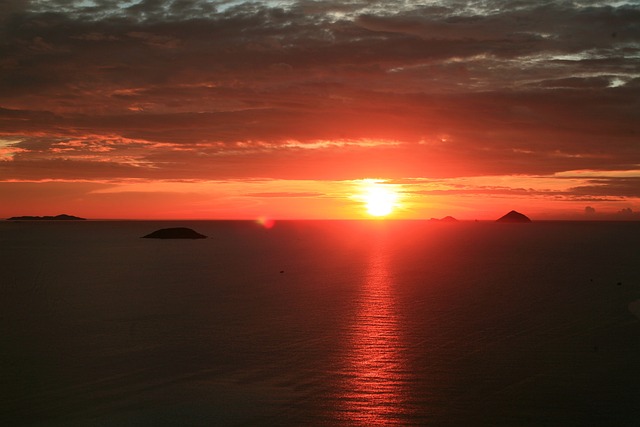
(320, 323)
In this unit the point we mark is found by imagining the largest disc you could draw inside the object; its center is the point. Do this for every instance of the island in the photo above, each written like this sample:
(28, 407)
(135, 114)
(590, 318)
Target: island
(175, 233)
(514, 216)
(62, 217)
(445, 219)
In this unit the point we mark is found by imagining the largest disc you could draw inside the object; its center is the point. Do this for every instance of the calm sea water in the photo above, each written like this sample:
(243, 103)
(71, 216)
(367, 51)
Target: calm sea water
(320, 323)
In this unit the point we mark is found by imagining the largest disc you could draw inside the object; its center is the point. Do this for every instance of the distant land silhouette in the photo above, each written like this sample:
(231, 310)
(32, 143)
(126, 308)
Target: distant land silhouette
(445, 219)
(175, 233)
(514, 216)
(62, 217)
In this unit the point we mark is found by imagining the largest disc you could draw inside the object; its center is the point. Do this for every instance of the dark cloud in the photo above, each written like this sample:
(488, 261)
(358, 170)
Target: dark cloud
(198, 89)
(617, 187)
(624, 214)
(578, 82)
(571, 195)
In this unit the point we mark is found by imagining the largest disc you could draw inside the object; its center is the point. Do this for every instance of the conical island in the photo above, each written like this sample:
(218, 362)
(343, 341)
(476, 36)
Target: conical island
(175, 233)
(514, 216)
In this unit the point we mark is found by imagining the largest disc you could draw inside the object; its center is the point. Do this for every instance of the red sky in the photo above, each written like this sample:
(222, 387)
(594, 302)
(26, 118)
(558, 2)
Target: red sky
(284, 109)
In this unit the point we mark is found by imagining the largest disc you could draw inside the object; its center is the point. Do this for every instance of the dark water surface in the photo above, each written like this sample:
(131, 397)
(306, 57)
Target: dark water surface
(320, 323)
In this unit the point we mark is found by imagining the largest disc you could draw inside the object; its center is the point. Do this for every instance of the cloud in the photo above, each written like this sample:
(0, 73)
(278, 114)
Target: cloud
(216, 90)
(628, 213)
(285, 194)
(616, 187)
(578, 82)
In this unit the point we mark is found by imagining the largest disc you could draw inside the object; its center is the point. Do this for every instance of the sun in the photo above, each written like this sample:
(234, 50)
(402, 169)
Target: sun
(380, 201)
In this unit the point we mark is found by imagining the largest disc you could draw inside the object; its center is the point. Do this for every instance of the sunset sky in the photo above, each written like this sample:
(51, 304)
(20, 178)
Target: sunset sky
(296, 109)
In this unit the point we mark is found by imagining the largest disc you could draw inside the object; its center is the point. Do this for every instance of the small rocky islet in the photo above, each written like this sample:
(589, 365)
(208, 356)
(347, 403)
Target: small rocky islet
(175, 233)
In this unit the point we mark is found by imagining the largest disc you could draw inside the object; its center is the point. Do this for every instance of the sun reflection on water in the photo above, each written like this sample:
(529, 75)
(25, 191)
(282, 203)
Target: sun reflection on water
(375, 369)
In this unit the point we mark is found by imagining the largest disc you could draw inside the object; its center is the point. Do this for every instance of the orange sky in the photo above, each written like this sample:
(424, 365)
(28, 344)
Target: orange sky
(289, 109)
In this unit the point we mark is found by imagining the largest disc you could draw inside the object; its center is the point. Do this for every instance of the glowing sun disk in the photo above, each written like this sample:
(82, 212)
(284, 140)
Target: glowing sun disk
(380, 201)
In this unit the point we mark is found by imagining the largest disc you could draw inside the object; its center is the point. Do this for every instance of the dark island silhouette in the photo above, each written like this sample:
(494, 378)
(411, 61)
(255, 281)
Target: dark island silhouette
(175, 233)
(514, 216)
(447, 218)
(62, 217)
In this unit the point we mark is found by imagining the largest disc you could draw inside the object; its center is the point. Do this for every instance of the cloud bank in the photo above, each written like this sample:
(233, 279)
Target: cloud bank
(319, 90)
